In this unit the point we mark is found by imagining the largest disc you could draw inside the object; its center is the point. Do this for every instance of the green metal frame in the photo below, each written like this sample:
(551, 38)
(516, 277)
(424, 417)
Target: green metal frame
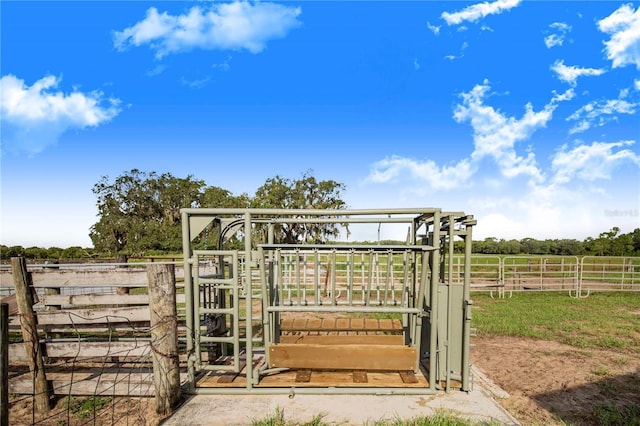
(436, 311)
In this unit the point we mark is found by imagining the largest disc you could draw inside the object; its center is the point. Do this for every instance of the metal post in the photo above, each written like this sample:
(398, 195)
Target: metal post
(248, 264)
(466, 325)
(188, 294)
(4, 364)
(433, 316)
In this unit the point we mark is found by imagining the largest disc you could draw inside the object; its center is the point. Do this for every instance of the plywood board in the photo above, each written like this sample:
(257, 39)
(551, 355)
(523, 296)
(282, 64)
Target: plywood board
(336, 357)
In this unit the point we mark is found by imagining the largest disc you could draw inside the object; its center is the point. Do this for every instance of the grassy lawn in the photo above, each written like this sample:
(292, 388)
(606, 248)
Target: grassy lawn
(602, 320)
(438, 419)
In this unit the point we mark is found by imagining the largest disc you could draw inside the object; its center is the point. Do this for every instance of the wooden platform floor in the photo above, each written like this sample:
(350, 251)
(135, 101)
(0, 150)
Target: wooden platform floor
(317, 378)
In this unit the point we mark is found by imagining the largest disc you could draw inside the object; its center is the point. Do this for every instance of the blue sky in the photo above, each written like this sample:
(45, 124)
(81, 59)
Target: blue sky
(522, 113)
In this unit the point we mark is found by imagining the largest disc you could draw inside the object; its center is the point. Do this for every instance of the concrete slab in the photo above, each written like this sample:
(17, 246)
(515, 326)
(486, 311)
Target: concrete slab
(211, 410)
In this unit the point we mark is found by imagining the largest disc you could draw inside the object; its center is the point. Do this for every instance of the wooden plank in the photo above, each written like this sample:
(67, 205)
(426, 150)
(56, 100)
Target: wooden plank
(390, 324)
(328, 324)
(357, 324)
(370, 339)
(118, 384)
(299, 324)
(336, 357)
(95, 299)
(92, 316)
(116, 277)
(12, 302)
(303, 376)
(408, 377)
(360, 377)
(341, 324)
(338, 379)
(231, 376)
(84, 350)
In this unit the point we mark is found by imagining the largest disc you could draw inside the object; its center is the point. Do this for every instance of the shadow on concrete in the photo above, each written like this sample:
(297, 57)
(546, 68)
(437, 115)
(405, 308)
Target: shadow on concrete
(611, 400)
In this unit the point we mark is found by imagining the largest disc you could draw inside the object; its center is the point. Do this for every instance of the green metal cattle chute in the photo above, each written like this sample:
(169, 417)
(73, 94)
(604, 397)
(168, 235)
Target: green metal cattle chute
(308, 316)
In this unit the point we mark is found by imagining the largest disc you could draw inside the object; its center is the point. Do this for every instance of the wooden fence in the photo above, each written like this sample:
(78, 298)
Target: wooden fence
(94, 330)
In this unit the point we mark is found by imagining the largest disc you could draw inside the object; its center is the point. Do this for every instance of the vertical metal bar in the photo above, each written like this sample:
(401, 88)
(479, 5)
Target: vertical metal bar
(235, 296)
(389, 277)
(416, 320)
(435, 278)
(369, 281)
(249, 298)
(196, 311)
(266, 326)
(188, 294)
(363, 294)
(449, 337)
(333, 277)
(275, 286)
(468, 303)
(350, 272)
(377, 269)
(316, 257)
(297, 275)
(304, 278)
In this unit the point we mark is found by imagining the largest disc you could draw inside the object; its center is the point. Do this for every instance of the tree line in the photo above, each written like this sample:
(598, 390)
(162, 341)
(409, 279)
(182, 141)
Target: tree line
(139, 215)
(610, 243)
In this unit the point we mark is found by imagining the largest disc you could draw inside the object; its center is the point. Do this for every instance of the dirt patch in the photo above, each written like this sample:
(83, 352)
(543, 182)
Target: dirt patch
(552, 383)
(80, 411)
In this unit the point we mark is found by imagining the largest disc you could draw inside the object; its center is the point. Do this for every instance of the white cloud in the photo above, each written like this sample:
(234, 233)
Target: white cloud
(636, 84)
(591, 162)
(564, 200)
(557, 38)
(464, 47)
(433, 28)
(478, 11)
(445, 177)
(623, 25)
(598, 113)
(566, 96)
(195, 84)
(223, 66)
(156, 70)
(234, 26)
(34, 117)
(416, 64)
(495, 135)
(570, 74)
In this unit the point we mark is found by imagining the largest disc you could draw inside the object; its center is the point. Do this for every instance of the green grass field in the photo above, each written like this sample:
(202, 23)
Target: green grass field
(602, 320)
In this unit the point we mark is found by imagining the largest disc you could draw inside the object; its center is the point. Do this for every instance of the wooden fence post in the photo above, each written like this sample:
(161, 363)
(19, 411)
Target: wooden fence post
(22, 283)
(164, 336)
(4, 364)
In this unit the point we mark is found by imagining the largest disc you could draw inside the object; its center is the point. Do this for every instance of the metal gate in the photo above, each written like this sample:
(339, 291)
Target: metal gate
(216, 301)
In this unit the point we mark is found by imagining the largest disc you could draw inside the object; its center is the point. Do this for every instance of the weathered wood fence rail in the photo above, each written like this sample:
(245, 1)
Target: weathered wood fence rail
(91, 339)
